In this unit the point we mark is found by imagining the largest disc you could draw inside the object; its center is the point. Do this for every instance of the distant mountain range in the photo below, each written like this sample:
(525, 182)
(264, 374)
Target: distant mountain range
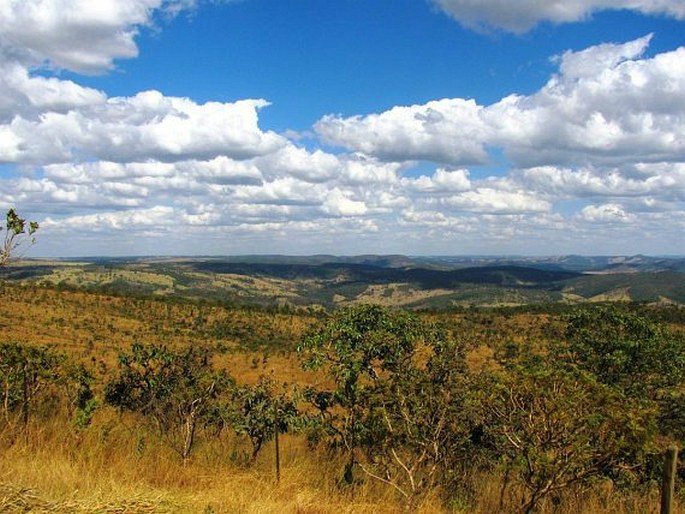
(577, 263)
(414, 282)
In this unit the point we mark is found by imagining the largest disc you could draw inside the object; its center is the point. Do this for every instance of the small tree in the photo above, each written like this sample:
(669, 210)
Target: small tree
(25, 372)
(356, 346)
(15, 235)
(556, 429)
(396, 408)
(259, 410)
(174, 389)
(77, 382)
(425, 420)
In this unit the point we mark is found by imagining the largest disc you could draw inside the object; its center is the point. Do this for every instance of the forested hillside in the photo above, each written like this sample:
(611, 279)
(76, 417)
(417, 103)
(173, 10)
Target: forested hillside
(329, 282)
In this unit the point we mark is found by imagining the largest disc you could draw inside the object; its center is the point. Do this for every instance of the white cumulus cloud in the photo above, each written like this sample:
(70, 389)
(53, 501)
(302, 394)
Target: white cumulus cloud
(665, 181)
(607, 105)
(521, 15)
(494, 201)
(449, 131)
(338, 203)
(606, 213)
(80, 35)
(146, 126)
(443, 180)
(123, 220)
(631, 111)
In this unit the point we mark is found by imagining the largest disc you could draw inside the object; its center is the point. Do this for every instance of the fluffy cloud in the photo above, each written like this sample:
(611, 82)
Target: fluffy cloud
(631, 111)
(124, 220)
(362, 171)
(281, 191)
(606, 106)
(79, 35)
(521, 15)
(316, 166)
(442, 180)
(606, 213)
(220, 170)
(47, 120)
(30, 96)
(664, 181)
(338, 203)
(493, 201)
(146, 126)
(449, 131)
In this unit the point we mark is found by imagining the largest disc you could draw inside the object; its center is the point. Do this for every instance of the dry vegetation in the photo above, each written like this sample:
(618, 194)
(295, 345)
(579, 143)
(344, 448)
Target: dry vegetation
(398, 294)
(95, 327)
(107, 471)
(117, 465)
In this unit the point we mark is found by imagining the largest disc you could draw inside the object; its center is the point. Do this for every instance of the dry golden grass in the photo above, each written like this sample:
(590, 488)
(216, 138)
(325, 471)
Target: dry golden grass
(59, 471)
(397, 294)
(94, 328)
(617, 295)
(116, 466)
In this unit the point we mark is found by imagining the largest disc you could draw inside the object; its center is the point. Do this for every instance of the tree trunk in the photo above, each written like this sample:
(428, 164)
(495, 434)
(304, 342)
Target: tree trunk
(188, 435)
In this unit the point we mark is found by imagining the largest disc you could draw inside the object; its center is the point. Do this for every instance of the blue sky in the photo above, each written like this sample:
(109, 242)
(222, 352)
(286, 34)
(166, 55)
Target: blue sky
(134, 127)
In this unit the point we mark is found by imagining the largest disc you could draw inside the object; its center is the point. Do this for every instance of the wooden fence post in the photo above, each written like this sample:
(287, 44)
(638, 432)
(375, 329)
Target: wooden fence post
(25, 403)
(668, 483)
(278, 452)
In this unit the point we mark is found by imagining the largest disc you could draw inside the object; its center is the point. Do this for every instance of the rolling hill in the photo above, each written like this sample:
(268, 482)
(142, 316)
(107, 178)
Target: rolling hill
(328, 281)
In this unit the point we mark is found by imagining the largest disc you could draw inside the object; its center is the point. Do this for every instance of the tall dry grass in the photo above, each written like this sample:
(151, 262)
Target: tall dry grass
(117, 465)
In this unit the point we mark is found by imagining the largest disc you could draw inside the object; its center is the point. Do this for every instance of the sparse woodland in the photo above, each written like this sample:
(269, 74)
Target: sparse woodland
(154, 405)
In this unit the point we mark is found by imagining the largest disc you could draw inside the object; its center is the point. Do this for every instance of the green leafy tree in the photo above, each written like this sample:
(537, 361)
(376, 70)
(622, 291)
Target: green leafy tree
(630, 352)
(259, 410)
(26, 372)
(77, 382)
(625, 350)
(427, 428)
(557, 429)
(177, 390)
(356, 346)
(396, 404)
(18, 231)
